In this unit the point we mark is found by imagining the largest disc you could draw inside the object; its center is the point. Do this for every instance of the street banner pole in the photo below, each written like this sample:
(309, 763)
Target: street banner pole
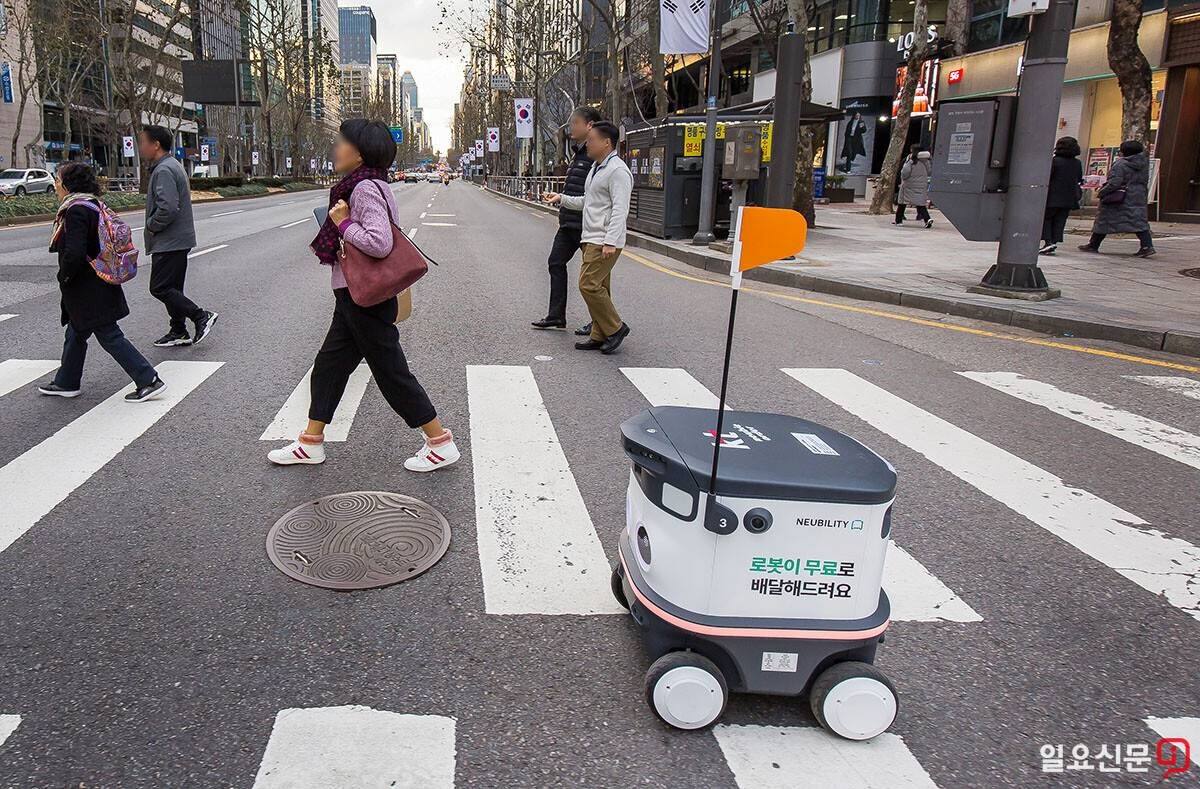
(704, 234)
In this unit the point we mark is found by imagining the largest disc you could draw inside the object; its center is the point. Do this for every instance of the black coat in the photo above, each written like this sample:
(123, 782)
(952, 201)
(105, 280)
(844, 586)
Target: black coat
(88, 302)
(1065, 174)
(577, 175)
(1131, 173)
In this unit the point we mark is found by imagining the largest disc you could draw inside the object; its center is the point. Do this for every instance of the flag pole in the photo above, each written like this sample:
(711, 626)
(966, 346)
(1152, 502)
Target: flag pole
(735, 276)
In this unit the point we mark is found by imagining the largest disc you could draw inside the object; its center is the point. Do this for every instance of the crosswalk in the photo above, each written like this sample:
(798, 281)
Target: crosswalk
(540, 553)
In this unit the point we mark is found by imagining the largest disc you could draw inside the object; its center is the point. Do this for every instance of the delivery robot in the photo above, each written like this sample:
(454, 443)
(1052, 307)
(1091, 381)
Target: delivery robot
(772, 585)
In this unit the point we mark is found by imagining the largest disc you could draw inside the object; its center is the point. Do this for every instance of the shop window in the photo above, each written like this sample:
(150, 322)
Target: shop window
(868, 21)
(991, 27)
(740, 80)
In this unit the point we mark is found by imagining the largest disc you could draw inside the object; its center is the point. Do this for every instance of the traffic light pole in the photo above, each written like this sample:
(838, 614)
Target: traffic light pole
(708, 187)
(1016, 272)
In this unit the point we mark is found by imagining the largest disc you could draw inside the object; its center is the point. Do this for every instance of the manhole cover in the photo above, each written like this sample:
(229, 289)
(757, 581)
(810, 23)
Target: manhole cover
(360, 540)
(1191, 272)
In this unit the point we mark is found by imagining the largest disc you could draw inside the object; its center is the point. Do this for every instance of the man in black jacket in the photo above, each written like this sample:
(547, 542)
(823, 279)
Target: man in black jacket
(570, 223)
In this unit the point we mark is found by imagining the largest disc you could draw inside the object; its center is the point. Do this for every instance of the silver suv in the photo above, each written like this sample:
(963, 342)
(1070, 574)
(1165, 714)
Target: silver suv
(22, 182)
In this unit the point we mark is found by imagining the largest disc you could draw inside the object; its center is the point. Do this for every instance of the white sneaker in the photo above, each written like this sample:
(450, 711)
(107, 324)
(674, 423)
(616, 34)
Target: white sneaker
(298, 452)
(433, 458)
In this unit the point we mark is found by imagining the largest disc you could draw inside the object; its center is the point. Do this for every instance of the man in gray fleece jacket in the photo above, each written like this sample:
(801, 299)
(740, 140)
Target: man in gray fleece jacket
(605, 207)
(170, 235)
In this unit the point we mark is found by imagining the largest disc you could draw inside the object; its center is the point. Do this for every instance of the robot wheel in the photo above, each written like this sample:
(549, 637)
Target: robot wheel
(617, 589)
(686, 690)
(854, 700)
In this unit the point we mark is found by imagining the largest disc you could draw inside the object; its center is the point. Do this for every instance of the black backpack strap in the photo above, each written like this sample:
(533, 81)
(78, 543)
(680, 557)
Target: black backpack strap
(389, 210)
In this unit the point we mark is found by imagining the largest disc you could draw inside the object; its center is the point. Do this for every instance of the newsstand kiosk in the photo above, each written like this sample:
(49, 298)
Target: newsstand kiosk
(764, 576)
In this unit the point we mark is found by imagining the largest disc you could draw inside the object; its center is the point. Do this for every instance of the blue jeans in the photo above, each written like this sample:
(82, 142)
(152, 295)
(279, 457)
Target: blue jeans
(119, 348)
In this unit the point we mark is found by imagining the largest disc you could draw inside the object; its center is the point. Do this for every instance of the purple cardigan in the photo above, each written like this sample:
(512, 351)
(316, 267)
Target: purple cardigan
(367, 227)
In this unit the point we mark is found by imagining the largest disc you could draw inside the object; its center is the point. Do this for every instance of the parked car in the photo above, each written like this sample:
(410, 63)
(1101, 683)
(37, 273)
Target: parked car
(22, 182)
(433, 178)
(411, 177)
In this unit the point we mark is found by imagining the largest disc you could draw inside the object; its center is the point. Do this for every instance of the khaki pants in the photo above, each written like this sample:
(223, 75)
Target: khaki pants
(595, 285)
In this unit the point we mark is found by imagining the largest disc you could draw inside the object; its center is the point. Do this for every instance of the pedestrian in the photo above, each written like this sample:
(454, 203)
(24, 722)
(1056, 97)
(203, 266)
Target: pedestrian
(1063, 192)
(362, 211)
(914, 185)
(570, 223)
(90, 306)
(605, 207)
(1123, 201)
(170, 235)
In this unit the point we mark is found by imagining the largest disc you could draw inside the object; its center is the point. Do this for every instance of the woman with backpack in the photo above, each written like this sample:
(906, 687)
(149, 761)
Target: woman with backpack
(362, 212)
(90, 305)
(914, 185)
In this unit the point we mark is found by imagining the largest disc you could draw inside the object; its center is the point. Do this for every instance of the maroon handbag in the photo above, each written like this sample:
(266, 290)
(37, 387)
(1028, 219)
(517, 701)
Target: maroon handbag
(374, 280)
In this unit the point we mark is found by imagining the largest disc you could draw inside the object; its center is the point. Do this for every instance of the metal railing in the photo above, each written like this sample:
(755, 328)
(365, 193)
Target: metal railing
(526, 187)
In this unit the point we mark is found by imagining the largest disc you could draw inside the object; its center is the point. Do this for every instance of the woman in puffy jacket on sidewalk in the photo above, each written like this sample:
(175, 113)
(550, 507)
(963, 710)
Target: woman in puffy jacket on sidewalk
(1123, 200)
(362, 211)
(90, 306)
(914, 185)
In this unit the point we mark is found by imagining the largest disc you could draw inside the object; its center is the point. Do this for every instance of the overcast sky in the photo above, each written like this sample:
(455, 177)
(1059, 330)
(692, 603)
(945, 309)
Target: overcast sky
(408, 28)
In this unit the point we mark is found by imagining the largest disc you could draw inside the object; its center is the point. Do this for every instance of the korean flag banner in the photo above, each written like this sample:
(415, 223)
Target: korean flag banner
(684, 28)
(493, 139)
(479, 149)
(523, 113)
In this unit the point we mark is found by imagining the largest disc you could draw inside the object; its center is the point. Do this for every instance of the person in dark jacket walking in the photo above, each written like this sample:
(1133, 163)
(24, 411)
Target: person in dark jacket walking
(570, 223)
(1063, 192)
(1123, 200)
(90, 306)
(170, 236)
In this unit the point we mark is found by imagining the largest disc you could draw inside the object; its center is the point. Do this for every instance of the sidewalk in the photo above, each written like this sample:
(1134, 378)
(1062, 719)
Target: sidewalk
(1110, 296)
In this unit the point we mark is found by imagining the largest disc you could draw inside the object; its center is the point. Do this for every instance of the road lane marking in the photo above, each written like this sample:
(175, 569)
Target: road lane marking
(38, 481)
(357, 746)
(1170, 442)
(422, 216)
(6, 317)
(15, 373)
(293, 416)
(297, 222)
(538, 549)
(1166, 728)
(8, 724)
(1187, 387)
(206, 251)
(915, 593)
(805, 757)
(439, 215)
(439, 224)
(227, 213)
(1168, 567)
(136, 229)
(931, 324)
(412, 233)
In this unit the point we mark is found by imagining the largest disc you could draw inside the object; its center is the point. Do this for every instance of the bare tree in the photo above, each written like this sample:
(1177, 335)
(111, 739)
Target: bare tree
(1131, 68)
(67, 36)
(802, 190)
(881, 201)
(19, 46)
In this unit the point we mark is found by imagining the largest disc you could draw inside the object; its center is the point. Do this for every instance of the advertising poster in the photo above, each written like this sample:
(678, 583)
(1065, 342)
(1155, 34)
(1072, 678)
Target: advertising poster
(1095, 171)
(856, 137)
(925, 95)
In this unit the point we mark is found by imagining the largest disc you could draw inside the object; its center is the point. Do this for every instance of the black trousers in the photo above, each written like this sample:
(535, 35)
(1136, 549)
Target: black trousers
(566, 244)
(167, 276)
(922, 212)
(1054, 224)
(366, 332)
(113, 340)
(1144, 237)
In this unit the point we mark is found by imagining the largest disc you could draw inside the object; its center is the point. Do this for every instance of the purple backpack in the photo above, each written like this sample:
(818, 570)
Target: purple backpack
(117, 262)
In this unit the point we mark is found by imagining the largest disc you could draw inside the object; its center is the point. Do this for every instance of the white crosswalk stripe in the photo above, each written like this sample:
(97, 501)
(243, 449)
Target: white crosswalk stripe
(915, 593)
(794, 757)
(8, 724)
(1165, 566)
(293, 416)
(1146, 433)
(1174, 728)
(538, 549)
(5, 317)
(354, 746)
(38, 481)
(15, 373)
(1188, 387)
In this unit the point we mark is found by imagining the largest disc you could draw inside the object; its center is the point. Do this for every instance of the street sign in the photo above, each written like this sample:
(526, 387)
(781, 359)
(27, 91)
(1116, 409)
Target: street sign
(397, 134)
(205, 153)
(254, 158)
(6, 82)
(180, 153)
(127, 147)
(502, 83)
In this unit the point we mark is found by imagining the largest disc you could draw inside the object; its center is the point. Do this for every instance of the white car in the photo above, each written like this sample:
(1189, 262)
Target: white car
(434, 178)
(23, 182)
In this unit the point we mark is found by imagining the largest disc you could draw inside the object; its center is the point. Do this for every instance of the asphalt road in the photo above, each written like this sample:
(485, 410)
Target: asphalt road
(1047, 593)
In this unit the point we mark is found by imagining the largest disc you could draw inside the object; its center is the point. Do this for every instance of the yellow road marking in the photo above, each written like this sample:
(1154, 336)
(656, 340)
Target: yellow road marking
(1064, 346)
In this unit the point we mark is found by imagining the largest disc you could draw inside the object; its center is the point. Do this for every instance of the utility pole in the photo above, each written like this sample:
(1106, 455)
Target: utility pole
(704, 234)
(1016, 271)
(788, 100)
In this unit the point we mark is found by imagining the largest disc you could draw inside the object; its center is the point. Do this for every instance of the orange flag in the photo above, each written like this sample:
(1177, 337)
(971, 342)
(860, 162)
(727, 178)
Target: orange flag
(765, 235)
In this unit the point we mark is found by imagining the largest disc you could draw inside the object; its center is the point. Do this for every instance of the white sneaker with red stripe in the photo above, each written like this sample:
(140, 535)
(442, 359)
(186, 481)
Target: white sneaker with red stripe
(432, 458)
(307, 449)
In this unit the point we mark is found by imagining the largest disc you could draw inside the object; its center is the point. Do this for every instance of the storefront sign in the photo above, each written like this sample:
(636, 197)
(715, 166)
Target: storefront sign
(905, 42)
(926, 93)
(956, 75)
(767, 130)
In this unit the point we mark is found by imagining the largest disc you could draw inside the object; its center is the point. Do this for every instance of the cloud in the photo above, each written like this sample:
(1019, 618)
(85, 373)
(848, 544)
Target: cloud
(408, 29)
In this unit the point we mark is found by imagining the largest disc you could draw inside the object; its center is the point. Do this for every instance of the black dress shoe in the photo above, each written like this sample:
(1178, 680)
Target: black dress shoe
(584, 331)
(550, 323)
(590, 345)
(611, 344)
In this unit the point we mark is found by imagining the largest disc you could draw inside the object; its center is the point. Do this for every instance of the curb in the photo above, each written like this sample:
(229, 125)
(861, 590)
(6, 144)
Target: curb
(1174, 341)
